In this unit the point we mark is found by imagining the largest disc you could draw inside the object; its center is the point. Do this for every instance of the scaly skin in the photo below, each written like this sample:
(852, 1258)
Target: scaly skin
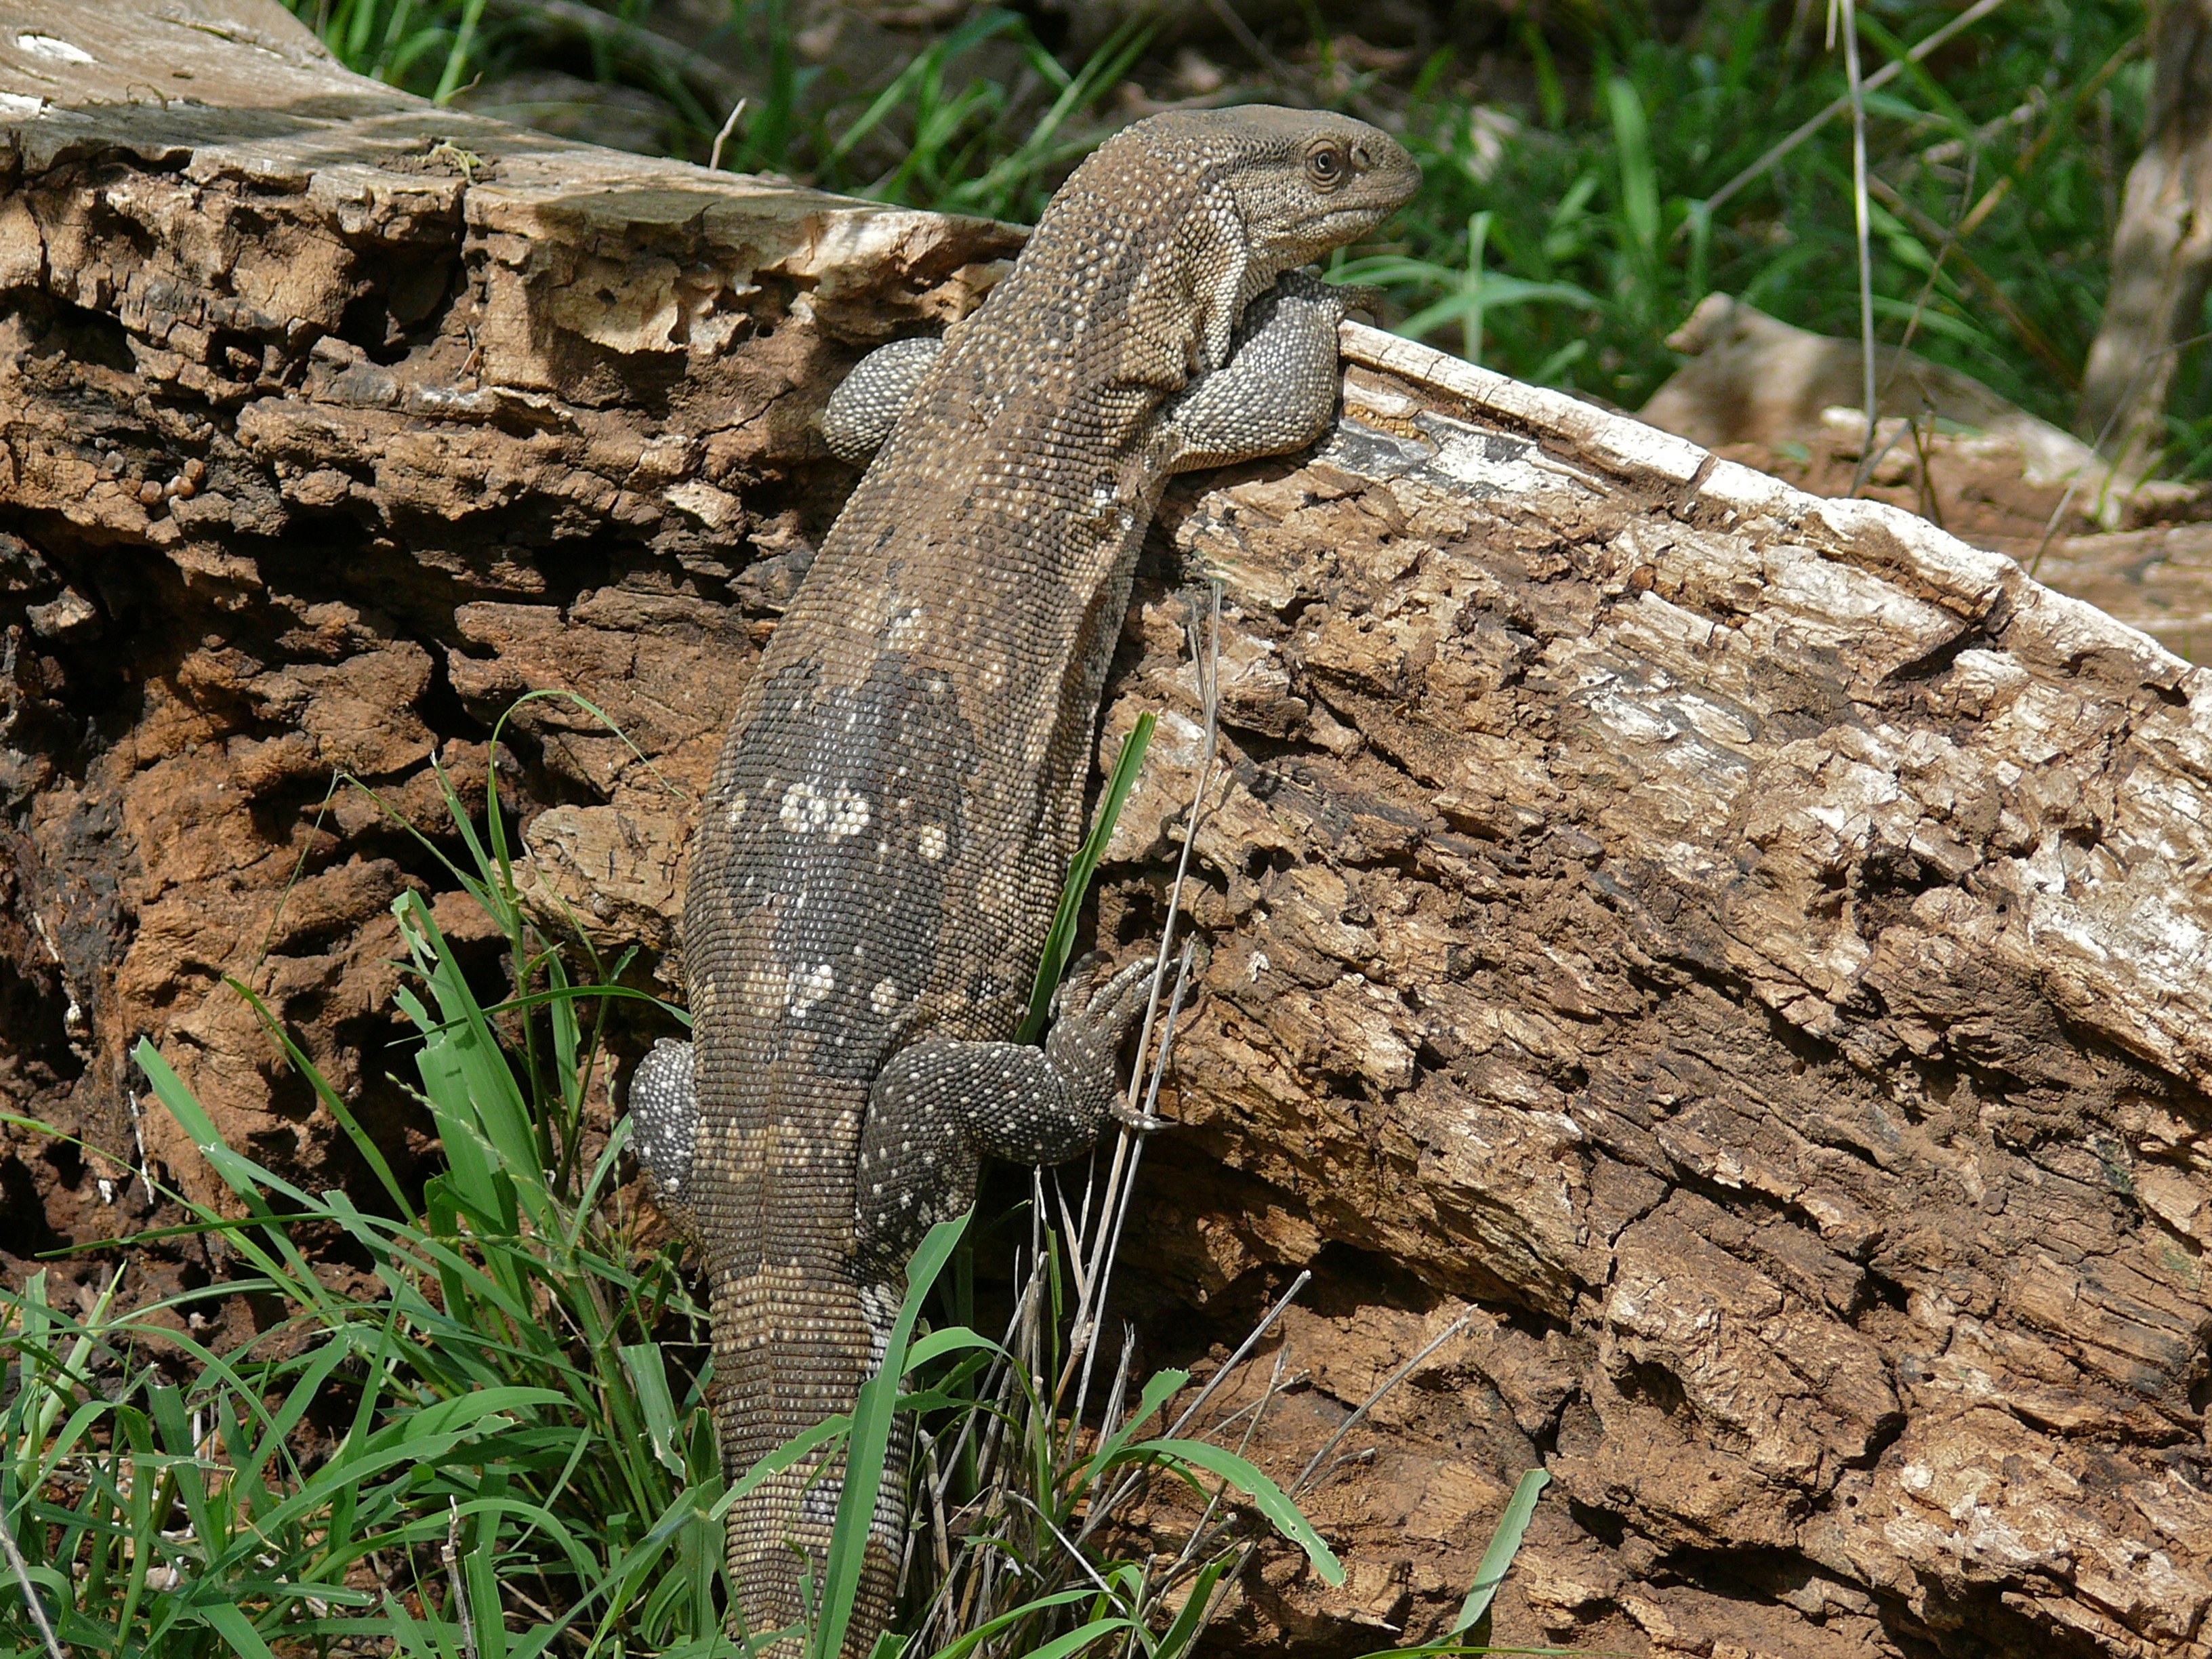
(880, 854)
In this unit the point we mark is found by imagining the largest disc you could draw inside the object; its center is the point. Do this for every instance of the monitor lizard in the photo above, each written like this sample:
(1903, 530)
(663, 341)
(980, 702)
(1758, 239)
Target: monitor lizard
(884, 842)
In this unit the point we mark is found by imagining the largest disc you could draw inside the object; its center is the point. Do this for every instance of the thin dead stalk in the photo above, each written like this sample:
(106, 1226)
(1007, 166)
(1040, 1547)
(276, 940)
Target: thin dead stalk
(21, 1569)
(450, 1553)
(1868, 461)
(1200, 1535)
(1329, 1446)
(729, 126)
(1144, 1083)
(2106, 471)
(1861, 213)
(1114, 1500)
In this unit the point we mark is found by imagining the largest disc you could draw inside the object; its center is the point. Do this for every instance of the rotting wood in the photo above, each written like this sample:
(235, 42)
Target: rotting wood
(1745, 948)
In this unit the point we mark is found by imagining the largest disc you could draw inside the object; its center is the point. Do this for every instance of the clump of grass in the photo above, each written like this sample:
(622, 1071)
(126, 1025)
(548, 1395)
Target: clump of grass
(500, 1398)
(485, 1452)
(1580, 238)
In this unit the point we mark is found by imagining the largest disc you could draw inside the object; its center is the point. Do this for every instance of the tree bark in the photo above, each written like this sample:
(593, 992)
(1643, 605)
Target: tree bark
(1744, 952)
(2162, 251)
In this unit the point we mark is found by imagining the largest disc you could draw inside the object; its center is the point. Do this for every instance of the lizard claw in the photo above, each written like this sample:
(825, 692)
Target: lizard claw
(1102, 1005)
(1132, 1117)
(1094, 1010)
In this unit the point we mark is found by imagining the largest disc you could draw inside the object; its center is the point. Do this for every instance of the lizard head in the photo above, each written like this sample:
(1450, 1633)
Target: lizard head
(1172, 226)
(1257, 191)
(1306, 182)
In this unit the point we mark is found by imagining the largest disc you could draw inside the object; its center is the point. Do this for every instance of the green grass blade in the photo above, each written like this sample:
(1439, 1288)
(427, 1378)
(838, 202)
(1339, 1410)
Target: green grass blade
(231, 1622)
(871, 1442)
(1080, 1638)
(1505, 1544)
(1155, 1395)
(983, 1633)
(641, 1362)
(1190, 1619)
(1267, 1496)
(1060, 941)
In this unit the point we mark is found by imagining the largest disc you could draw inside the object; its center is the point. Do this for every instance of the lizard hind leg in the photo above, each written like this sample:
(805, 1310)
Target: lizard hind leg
(664, 1110)
(939, 1106)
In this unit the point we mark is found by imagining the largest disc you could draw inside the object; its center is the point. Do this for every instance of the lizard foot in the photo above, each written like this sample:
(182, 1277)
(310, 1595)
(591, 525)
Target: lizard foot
(663, 1109)
(868, 402)
(1136, 1118)
(1087, 1034)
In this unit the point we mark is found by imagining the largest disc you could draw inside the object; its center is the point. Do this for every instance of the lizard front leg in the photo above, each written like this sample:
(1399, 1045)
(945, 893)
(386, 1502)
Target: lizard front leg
(1275, 394)
(1277, 391)
(939, 1106)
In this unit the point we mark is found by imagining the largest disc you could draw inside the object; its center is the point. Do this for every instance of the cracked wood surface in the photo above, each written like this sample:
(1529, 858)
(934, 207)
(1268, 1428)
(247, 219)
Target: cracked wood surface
(1744, 949)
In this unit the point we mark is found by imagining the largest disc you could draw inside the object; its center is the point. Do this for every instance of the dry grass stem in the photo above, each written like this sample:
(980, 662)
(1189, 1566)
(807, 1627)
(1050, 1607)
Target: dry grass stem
(1329, 1446)
(23, 1571)
(729, 126)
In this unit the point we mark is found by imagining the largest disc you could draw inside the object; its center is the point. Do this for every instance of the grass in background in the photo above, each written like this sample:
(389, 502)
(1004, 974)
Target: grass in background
(1997, 165)
(982, 120)
(1558, 236)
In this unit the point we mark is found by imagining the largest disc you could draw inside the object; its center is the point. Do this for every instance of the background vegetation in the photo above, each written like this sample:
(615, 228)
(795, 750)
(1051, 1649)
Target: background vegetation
(1569, 147)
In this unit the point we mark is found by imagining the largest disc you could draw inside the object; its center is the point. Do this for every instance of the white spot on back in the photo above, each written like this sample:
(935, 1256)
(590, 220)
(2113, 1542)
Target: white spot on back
(810, 987)
(803, 810)
(848, 813)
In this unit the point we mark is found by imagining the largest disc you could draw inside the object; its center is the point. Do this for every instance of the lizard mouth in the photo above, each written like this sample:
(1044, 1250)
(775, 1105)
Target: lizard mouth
(1348, 221)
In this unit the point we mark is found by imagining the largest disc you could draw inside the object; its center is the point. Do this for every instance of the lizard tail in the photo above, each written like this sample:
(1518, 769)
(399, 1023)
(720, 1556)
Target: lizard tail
(779, 1534)
(770, 1561)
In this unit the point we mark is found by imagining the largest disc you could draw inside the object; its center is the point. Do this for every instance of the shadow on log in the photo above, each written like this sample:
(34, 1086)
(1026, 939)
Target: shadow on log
(1747, 950)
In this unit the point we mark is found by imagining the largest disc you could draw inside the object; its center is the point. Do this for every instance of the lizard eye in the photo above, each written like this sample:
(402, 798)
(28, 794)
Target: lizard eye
(1325, 167)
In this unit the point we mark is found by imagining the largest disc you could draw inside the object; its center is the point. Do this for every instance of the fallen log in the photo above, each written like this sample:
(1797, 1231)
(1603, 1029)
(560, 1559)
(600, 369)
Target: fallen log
(1745, 952)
